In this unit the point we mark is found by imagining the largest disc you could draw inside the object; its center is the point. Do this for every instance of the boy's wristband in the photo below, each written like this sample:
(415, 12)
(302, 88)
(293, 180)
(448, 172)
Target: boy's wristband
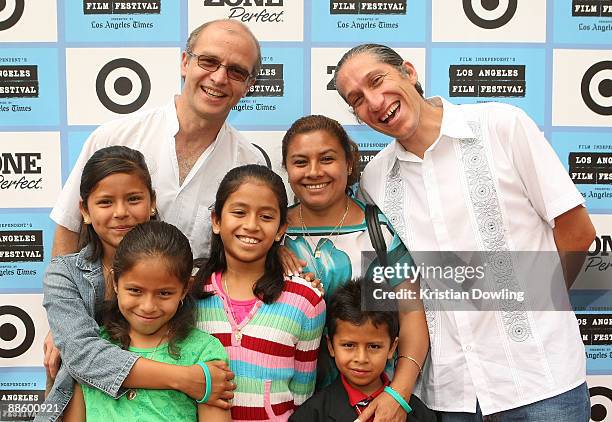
(208, 381)
(398, 399)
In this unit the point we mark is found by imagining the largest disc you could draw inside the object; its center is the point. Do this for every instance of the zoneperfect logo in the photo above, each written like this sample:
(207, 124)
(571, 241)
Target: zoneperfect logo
(122, 7)
(595, 329)
(486, 81)
(588, 8)
(269, 82)
(19, 81)
(590, 168)
(21, 246)
(20, 171)
(367, 7)
(238, 9)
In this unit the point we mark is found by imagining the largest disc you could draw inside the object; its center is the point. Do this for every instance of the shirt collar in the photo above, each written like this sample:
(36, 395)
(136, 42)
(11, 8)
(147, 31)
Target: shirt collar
(355, 396)
(453, 126)
(85, 264)
(173, 122)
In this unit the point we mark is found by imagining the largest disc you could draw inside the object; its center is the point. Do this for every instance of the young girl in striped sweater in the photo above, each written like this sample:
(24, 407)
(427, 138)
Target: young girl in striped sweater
(270, 325)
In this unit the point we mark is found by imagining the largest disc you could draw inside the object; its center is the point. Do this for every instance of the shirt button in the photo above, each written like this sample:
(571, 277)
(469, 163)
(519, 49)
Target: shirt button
(468, 348)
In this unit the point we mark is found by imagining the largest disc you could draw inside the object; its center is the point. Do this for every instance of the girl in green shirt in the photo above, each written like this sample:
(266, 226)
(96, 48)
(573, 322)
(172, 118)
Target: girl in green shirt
(152, 315)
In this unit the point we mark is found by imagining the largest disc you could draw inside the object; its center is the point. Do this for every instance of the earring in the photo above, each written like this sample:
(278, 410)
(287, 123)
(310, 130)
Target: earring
(86, 220)
(350, 171)
(153, 212)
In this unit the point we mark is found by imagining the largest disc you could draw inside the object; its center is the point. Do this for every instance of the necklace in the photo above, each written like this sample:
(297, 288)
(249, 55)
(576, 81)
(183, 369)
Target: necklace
(238, 332)
(108, 281)
(133, 392)
(317, 248)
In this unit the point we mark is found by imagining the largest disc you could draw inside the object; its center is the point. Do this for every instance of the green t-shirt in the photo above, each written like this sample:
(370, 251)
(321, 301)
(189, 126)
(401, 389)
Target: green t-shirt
(155, 405)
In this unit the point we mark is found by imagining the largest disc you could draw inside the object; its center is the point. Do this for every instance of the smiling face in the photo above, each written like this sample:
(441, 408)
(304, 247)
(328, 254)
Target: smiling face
(115, 205)
(361, 353)
(211, 95)
(381, 96)
(149, 295)
(249, 224)
(317, 167)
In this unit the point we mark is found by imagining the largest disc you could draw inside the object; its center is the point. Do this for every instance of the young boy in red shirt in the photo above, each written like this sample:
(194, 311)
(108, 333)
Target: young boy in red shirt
(360, 342)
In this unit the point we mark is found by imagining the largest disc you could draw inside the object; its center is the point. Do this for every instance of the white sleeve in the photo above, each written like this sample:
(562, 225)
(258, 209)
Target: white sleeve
(547, 183)
(66, 211)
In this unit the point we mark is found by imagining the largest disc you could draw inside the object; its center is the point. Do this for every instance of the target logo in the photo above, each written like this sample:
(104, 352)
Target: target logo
(106, 83)
(596, 88)
(10, 13)
(17, 331)
(490, 14)
(601, 403)
(582, 87)
(123, 86)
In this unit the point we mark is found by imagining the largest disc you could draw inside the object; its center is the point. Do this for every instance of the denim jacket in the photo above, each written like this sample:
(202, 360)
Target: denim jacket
(73, 290)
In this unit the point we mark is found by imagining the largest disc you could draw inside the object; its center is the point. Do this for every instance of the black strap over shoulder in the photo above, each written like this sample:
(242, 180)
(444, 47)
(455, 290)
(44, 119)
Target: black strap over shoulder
(375, 232)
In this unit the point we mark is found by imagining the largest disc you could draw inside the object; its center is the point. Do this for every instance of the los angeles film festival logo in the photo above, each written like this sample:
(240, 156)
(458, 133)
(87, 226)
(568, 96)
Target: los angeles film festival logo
(367, 7)
(10, 16)
(238, 9)
(18, 81)
(586, 8)
(591, 168)
(269, 83)
(487, 81)
(21, 246)
(122, 7)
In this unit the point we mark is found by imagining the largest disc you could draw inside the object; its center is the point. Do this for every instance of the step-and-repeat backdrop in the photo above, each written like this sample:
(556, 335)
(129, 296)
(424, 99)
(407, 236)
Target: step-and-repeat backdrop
(66, 66)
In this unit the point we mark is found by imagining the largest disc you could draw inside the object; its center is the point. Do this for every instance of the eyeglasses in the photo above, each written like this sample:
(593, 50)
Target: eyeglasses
(211, 64)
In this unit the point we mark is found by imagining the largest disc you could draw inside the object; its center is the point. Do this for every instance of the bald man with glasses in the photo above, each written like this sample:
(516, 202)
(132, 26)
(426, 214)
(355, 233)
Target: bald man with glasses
(187, 143)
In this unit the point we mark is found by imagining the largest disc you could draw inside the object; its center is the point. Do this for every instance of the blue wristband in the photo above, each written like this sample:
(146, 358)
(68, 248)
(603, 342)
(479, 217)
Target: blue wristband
(398, 399)
(208, 381)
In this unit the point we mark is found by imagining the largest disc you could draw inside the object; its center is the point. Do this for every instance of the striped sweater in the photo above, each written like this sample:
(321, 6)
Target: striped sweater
(273, 351)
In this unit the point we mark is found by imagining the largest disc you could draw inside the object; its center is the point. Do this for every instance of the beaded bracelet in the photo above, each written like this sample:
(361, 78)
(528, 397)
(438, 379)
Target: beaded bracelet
(208, 381)
(398, 398)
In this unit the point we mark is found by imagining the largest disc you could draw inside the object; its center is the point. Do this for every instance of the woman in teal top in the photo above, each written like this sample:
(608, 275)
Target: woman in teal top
(327, 231)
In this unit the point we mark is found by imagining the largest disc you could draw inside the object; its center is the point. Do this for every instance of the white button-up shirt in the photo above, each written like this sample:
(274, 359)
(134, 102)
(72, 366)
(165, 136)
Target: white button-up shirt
(152, 133)
(490, 182)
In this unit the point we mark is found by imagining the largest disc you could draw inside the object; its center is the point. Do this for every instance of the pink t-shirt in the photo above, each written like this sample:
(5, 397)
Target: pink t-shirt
(240, 308)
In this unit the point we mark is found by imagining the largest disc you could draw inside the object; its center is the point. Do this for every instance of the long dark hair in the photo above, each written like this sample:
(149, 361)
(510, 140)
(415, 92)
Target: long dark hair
(269, 287)
(162, 241)
(103, 163)
(316, 122)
